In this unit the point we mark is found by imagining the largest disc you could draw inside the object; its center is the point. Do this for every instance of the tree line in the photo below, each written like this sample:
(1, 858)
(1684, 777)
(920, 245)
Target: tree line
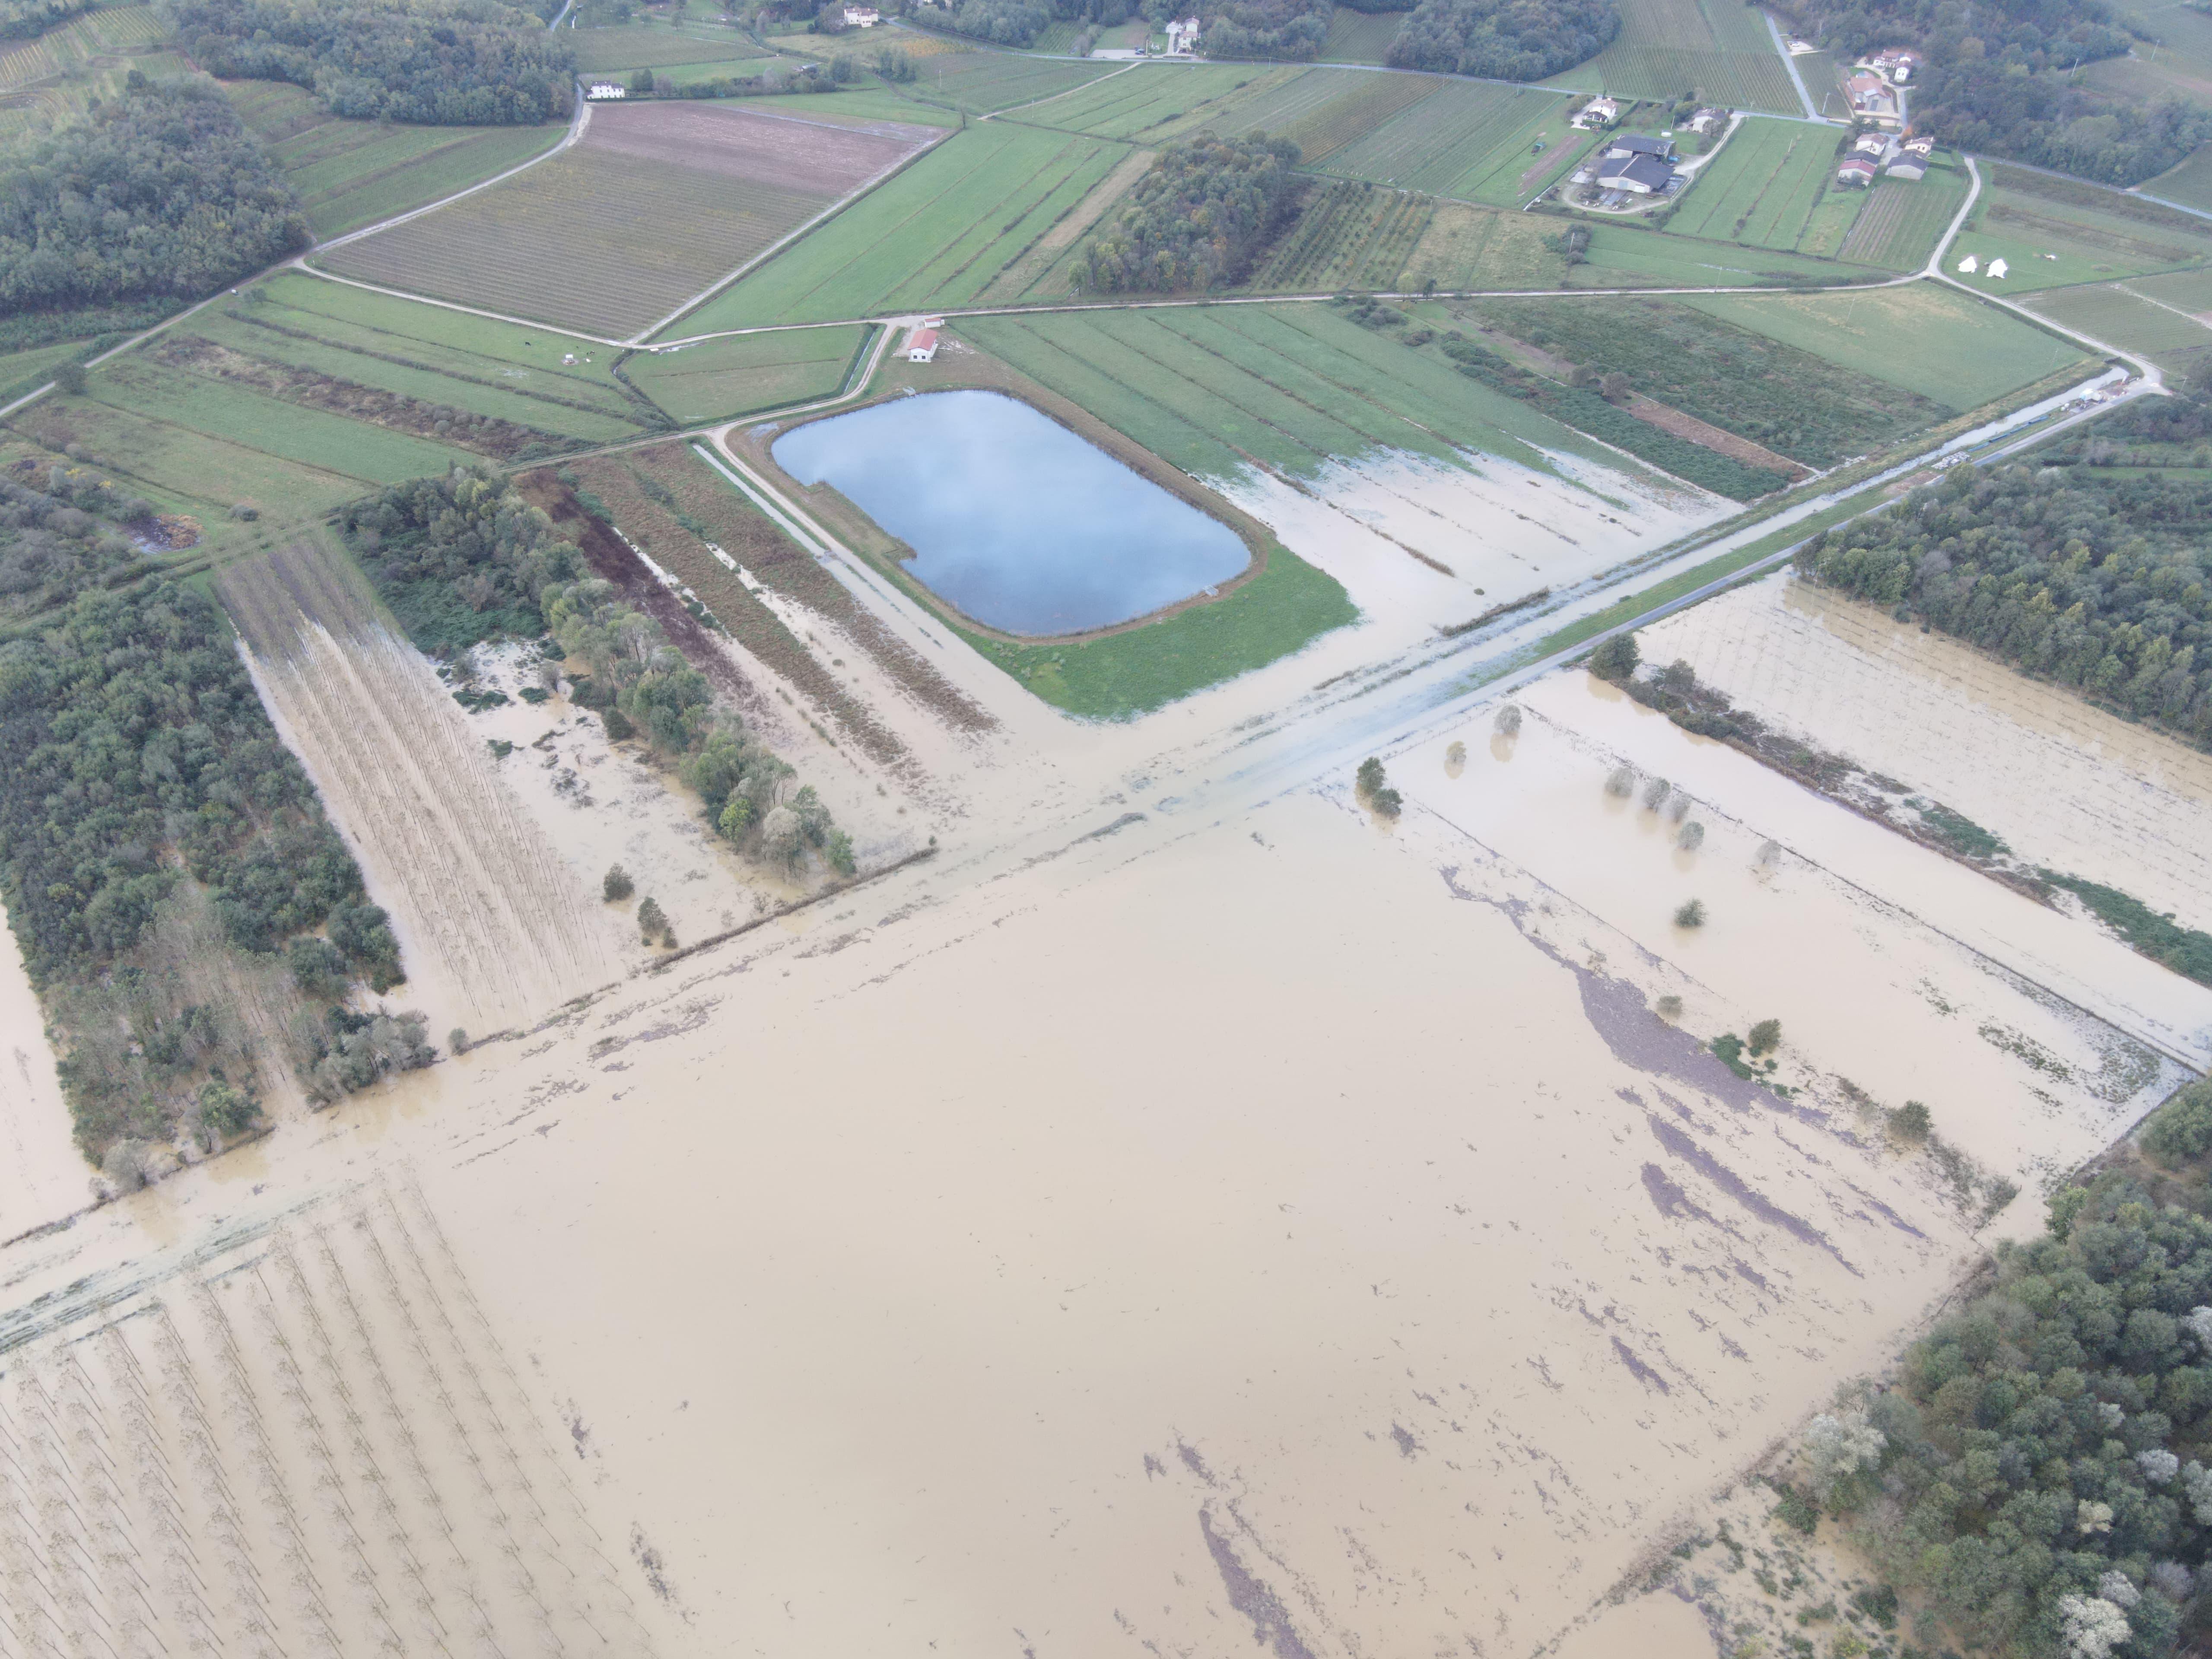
(2000, 78)
(2100, 584)
(465, 63)
(1288, 29)
(1206, 211)
(143, 793)
(465, 558)
(1504, 40)
(27, 20)
(162, 192)
(2039, 1471)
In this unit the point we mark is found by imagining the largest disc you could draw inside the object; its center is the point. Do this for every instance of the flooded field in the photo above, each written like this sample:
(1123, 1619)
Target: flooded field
(1408, 1337)
(1016, 520)
(2066, 785)
(42, 1175)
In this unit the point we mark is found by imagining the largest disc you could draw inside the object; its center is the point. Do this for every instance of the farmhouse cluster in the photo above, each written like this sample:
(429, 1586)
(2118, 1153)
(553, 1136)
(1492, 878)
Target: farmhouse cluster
(1882, 153)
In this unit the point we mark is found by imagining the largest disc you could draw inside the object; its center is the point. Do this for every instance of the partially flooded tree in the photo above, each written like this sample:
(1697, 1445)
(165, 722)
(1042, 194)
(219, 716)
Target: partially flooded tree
(1837, 1447)
(1616, 659)
(1911, 1121)
(1621, 782)
(1508, 723)
(1692, 837)
(1766, 1037)
(617, 885)
(1456, 755)
(1376, 792)
(652, 921)
(1691, 915)
(1669, 1007)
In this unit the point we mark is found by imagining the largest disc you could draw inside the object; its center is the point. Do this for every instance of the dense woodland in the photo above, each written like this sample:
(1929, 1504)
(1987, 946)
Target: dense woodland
(2097, 583)
(467, 62)
(1199, 218)
(1003, 22)
(26, 19)
(1288, 29)
(144, 795)
(2039, 1472)
(1999, 80)
(163, 192)
(1504, 40)
(465, 558)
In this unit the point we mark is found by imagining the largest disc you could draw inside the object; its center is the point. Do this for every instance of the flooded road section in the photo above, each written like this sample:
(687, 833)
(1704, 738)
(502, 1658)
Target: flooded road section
(1285, 1230)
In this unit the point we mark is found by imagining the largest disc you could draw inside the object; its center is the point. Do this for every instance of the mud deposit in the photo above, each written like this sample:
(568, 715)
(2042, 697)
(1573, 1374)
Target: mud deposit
(1393, 1293)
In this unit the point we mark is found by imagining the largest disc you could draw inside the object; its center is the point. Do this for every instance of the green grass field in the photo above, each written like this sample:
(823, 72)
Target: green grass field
(1322, 110)
(286, 431)
(1359, 37)
(1473, 141)
(1347, 236)
(983, 82)
(938, 234)
(1764, 187)
(1924, 337)
(745, 374)
(2138, 318)
(1620, 257)
(1293, 385)
(638, 46)
(2054, 234)
(856, 106)
(721, 68)
(1716, 50)
(1902, 219)
(2174, 62)
(1466, 247)
(351, 174)
(1153, 103)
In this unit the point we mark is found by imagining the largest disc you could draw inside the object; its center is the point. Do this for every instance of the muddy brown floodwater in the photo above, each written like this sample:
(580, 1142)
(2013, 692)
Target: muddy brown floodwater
(1248, 1227)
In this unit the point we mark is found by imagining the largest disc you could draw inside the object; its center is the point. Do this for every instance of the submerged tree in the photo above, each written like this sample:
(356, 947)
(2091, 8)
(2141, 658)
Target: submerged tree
(1691, 915)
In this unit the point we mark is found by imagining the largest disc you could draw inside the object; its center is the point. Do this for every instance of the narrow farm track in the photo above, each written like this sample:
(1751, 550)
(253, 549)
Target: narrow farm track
(474, 885)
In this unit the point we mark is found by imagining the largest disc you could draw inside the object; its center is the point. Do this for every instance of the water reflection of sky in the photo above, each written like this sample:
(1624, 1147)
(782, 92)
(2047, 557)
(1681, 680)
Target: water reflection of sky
(1012, 517)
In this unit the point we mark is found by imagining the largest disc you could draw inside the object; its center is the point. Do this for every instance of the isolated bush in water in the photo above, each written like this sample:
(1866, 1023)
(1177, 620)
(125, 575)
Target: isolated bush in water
(2180, 1131)
(1508, 723)
(1691, 915)
(1912, 1120)
(1692, 837)
(1655, 793)
(1373, 788)
(617, 885)
(651, 922)
(1621, 782)
(1766, 1037)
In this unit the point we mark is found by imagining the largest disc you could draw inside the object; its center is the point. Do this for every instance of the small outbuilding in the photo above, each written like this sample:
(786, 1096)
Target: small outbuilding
(1856, 170)
(921, 346)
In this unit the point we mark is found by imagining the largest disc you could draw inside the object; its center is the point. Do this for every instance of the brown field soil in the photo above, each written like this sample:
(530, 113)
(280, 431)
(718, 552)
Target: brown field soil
(780, 565)
(785, 150)
(495, 928)
(1712, 437)
(485, 434)
(651, 207)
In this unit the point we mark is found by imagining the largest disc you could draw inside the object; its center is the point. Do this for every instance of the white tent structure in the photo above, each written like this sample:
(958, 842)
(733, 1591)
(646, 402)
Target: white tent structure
(1997, 269)
(1969, 266)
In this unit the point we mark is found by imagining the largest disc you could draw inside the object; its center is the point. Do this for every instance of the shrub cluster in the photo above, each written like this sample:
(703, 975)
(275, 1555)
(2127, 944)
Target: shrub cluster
(60, 528)
(2100, 584)
(27, 20)
(1003, 22)
(160, 193)
(1504, 40)
(467, 62)
(1289, 30)
(1199, 218)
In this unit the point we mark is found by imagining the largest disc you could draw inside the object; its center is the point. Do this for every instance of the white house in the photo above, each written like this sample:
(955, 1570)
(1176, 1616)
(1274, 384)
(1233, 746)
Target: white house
(1182, 37)
(921, 346)
(1598, 113)
(1969, 266)
(862, 17)
(599, 90)
(1997, 269)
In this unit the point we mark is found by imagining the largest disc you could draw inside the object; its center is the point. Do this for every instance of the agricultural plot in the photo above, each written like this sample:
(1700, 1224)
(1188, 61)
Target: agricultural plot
(113, 32)
(638, 46)
(1903, 220)
(860, 107)
(351, 174)
(1155, 102)
(655, 204)
(1924, 337)
(1359, 37)
(2173, 60)
(940, 234)
(1049, 268)
(1323, 109)
(1471, 140)
(290, 432)
(981, 82)
(1620, 257)
(1718, 51)
(1347, 235)
(2190, 184)
(2052, 234)
(721, 68)
(2126, 316)
(1469, 247)
(745, 374)
(1764, 188)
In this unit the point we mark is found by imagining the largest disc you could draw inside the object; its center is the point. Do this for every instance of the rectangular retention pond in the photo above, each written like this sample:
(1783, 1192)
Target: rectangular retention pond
(1014, 519)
